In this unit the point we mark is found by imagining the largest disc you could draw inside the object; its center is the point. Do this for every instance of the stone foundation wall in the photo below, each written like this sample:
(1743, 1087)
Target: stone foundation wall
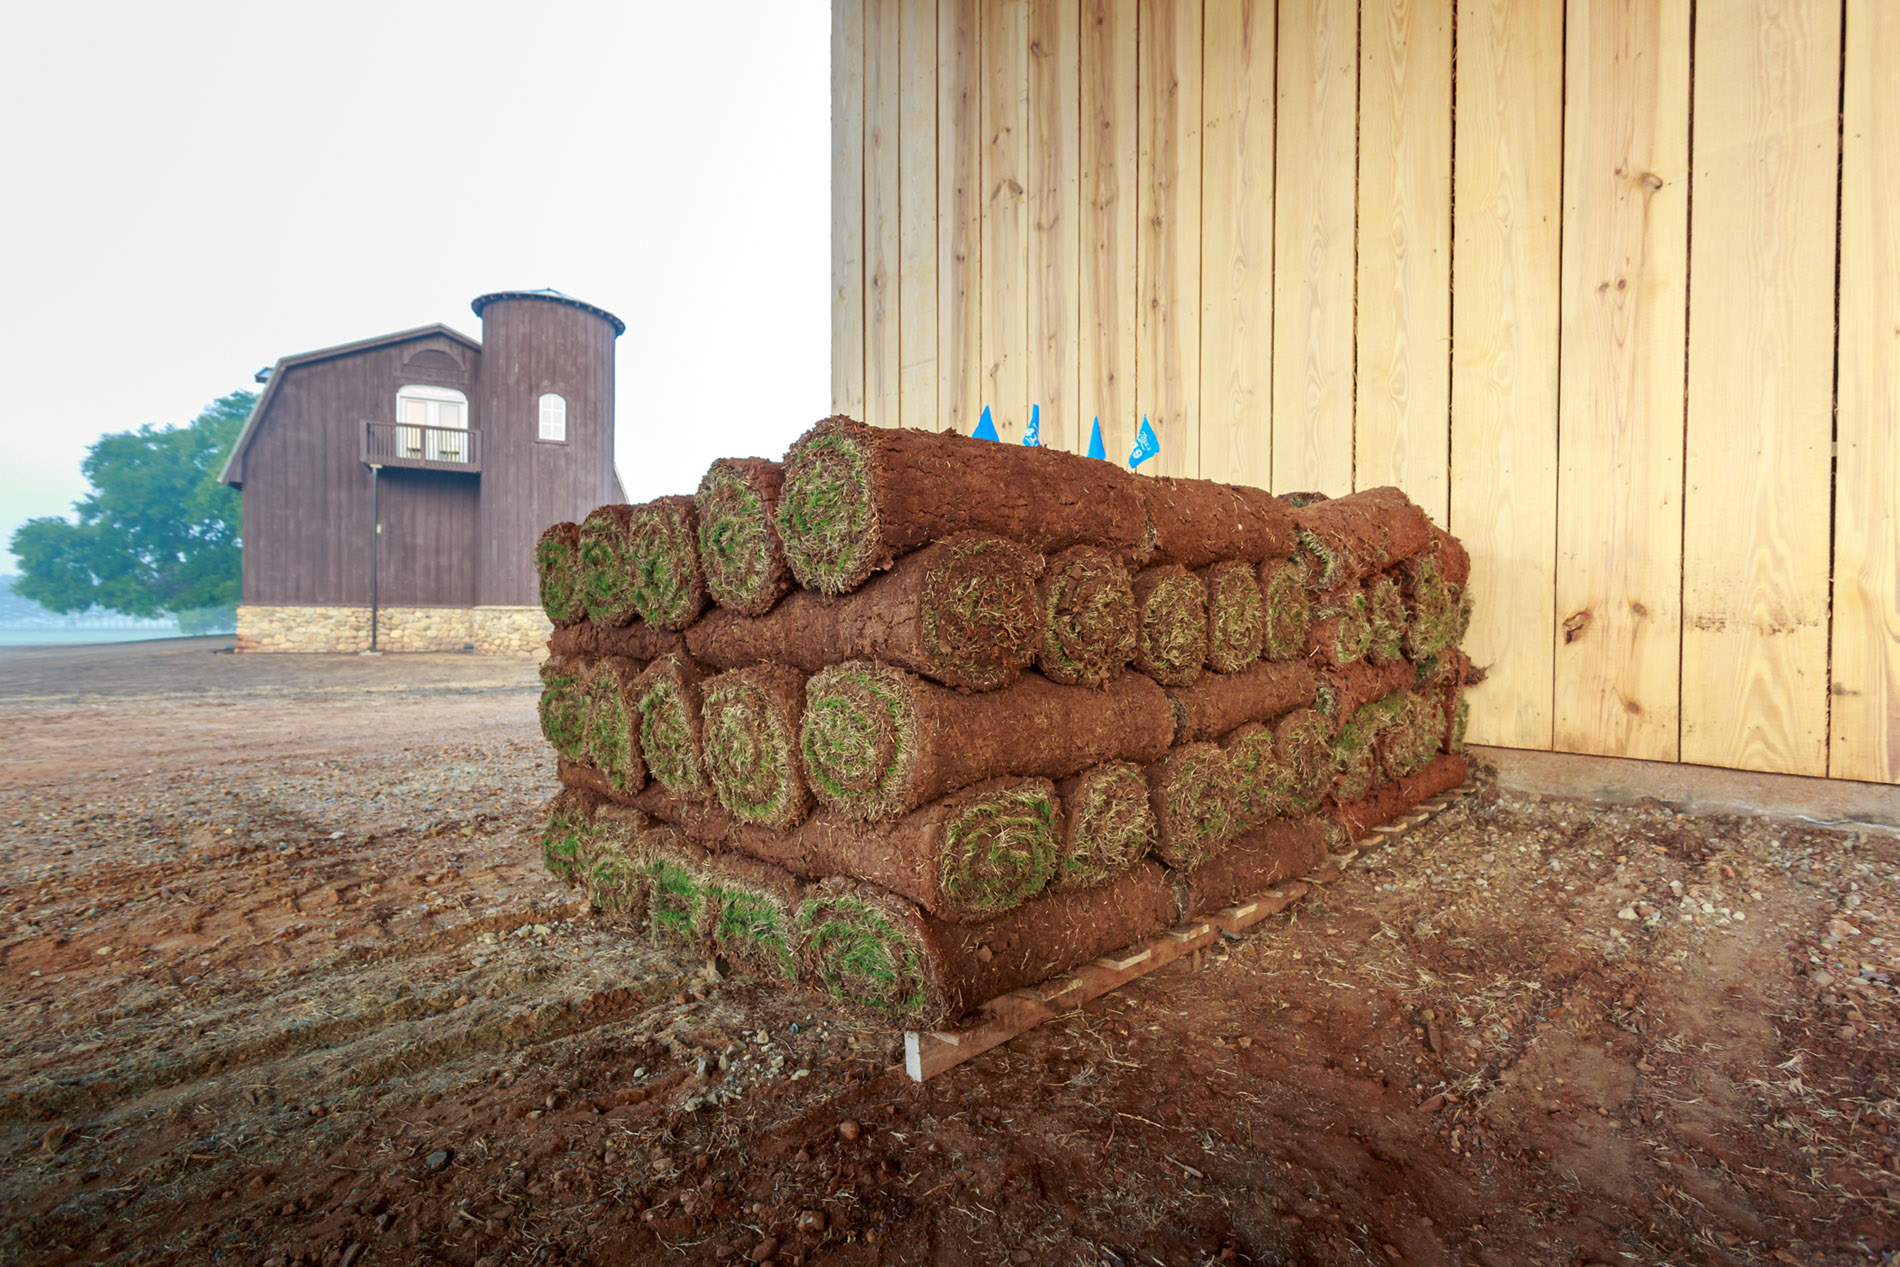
(487, 630)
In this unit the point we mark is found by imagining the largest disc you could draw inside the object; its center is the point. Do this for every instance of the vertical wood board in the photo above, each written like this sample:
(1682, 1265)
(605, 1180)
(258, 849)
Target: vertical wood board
(959, 217)
(1005, 27)
(917, 221)
(883, 100)
(1168, 236)
(1055, 218)
(1107, 335)
(847, 207)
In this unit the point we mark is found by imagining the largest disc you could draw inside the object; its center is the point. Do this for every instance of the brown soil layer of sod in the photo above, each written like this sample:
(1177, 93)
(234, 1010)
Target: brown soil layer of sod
(1108, 824)
(750, 909)
(1390, 800)
(1344, 691)
(744, 565)
(636, 641)
(606, 559)
(1219, 702)
(970, 856)
(752, 722)
(1193, 795)
(1198, 522)
(856, 497)
(1236, 621)
(1085, 606)
(557, 566)
(1171, 624)
(879, 742)
(1350, 538)
(1252, 862)
(668, 584)
(672, 728)
(961, 612)
(881, 956)
(705, 822)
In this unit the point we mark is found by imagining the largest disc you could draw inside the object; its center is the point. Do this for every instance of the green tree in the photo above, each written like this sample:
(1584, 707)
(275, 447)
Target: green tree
(157, 535)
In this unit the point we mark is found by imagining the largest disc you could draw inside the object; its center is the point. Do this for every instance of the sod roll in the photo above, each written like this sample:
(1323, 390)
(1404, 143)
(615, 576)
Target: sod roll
(704, 821)
(679, 889)
(564, 836)
(1085, 609)
(1107, 824)
(557, 567)
(1192, 792)
(1253, 862)
(879, 742)
(1286, 612)
(1382, 805)
(1198, 522)
(1355, 747)
(751, 722)
(1259, 789)
(611, 724)
(1171, 624)
(970, 856)
(1303, 768)
(856, 497)
(606, 563)
(1413, 736)
(961, 612)
(1438, 610)
(668, 585)
(635, 641)
(672, 726)
(1342, 630)
(1219, 702)
(882, 957)
(1344, 691)
(1385, 604)
(563, 707)
(616, 868)
(750, 910)
(738, 543)
(1236, 617)
(1350, 538)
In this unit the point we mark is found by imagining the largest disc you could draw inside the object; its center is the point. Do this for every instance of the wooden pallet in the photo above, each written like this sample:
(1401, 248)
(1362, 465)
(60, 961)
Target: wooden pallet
(928, 1053)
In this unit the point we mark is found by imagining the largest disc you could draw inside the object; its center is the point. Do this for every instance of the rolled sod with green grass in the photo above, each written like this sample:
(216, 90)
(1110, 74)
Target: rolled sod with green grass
(855, 498)
(616, 873)
(752, 719)
(679, 889)
(1302, 760)
(1342, 630)
(1253, 862)
(1393, 800)
(1438, 611)
(970, 856)
(1412, 738)
(1286, 610)
(1355, 747)
(1193, 794)
(668, 586)
(564, 837)
(1350, 538)
(1107, 824)
(1236, 617)
(672, 725)
(1385, 604)
(1459, 724)
(1085, 608)
(879, 742)
(882, 958)
(635, 641)
(611, 733)
(961, 612)
(1171, 624)
(751, 908)
(563, 706)
(606, 559)
(1198, 522)
(1344, 691)
(1259, 788)
(1219, 702)
(745, 567)
(557, 567)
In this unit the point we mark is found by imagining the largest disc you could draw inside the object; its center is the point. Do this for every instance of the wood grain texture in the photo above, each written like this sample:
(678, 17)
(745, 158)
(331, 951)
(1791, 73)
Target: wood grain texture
(1055, 218)
(959, 217)
(847, 207)
(1504, 367)
(1237, 242)
(1865, 722)
(1401, 432)
(1313, 247)
(1168, 234)
(1005, 26)
(1755, 530)
(917, 222)
(1107, 335)
(1625, 266)
(883, 212)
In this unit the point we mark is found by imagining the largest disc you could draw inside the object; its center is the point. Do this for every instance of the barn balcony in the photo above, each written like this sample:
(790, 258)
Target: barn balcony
(398, 444)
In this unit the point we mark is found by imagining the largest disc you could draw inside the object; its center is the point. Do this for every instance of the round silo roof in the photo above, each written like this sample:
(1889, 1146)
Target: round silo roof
(552, 297)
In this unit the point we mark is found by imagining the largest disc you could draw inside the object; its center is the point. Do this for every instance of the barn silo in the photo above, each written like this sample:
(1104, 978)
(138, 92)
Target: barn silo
(547, 409)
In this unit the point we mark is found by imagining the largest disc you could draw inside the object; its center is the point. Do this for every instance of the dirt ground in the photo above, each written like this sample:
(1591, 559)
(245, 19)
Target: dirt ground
(283, 983)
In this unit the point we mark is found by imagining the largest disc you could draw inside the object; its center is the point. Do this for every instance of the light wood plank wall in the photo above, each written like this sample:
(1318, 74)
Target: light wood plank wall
(1457, 246)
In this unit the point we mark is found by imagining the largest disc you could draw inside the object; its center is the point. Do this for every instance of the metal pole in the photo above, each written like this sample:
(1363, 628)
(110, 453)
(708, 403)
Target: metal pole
(375, 542)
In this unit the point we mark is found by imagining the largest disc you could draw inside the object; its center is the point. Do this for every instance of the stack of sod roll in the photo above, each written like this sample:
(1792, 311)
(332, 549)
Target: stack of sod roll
(918, 719)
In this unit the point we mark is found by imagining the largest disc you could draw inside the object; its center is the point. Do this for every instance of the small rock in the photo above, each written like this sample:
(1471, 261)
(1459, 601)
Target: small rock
(984, 954)
(811, 1221)
(849, 1129)
(1822, 978)
(765, 1249)
(462, 1002)
(1849, 1032)
(438, 1160)
(1628, 912)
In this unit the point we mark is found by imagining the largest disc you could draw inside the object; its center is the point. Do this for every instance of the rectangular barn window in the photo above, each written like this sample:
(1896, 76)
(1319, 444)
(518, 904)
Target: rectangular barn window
(553, 418)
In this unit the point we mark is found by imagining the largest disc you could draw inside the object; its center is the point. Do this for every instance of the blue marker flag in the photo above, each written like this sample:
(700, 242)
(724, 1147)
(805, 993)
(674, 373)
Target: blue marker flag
(1032, 438)
(985, 429)
(1096, 448)
(1147, 444)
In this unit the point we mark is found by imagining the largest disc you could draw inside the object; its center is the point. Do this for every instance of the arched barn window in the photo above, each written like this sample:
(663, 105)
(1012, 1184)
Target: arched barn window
(553, 418)
(434, 423)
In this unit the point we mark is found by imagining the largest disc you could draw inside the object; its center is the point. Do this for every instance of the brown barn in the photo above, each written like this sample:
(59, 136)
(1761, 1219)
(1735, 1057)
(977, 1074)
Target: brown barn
(394, 487)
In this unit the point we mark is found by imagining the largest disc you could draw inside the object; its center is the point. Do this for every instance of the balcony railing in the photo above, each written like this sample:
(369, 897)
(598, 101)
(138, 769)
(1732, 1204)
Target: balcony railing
(421, 448)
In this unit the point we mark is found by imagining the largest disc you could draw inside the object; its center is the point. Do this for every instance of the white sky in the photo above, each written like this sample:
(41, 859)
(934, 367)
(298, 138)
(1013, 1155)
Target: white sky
(193, 189)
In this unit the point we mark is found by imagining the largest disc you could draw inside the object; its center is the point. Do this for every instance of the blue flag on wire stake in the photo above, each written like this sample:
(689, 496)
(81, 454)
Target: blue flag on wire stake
(1096, 448)
(1147, 444)
(1032, 438)
(985, 429)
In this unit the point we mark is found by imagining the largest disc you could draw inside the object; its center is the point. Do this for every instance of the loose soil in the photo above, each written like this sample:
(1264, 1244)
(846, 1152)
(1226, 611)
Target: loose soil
(284, 982)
